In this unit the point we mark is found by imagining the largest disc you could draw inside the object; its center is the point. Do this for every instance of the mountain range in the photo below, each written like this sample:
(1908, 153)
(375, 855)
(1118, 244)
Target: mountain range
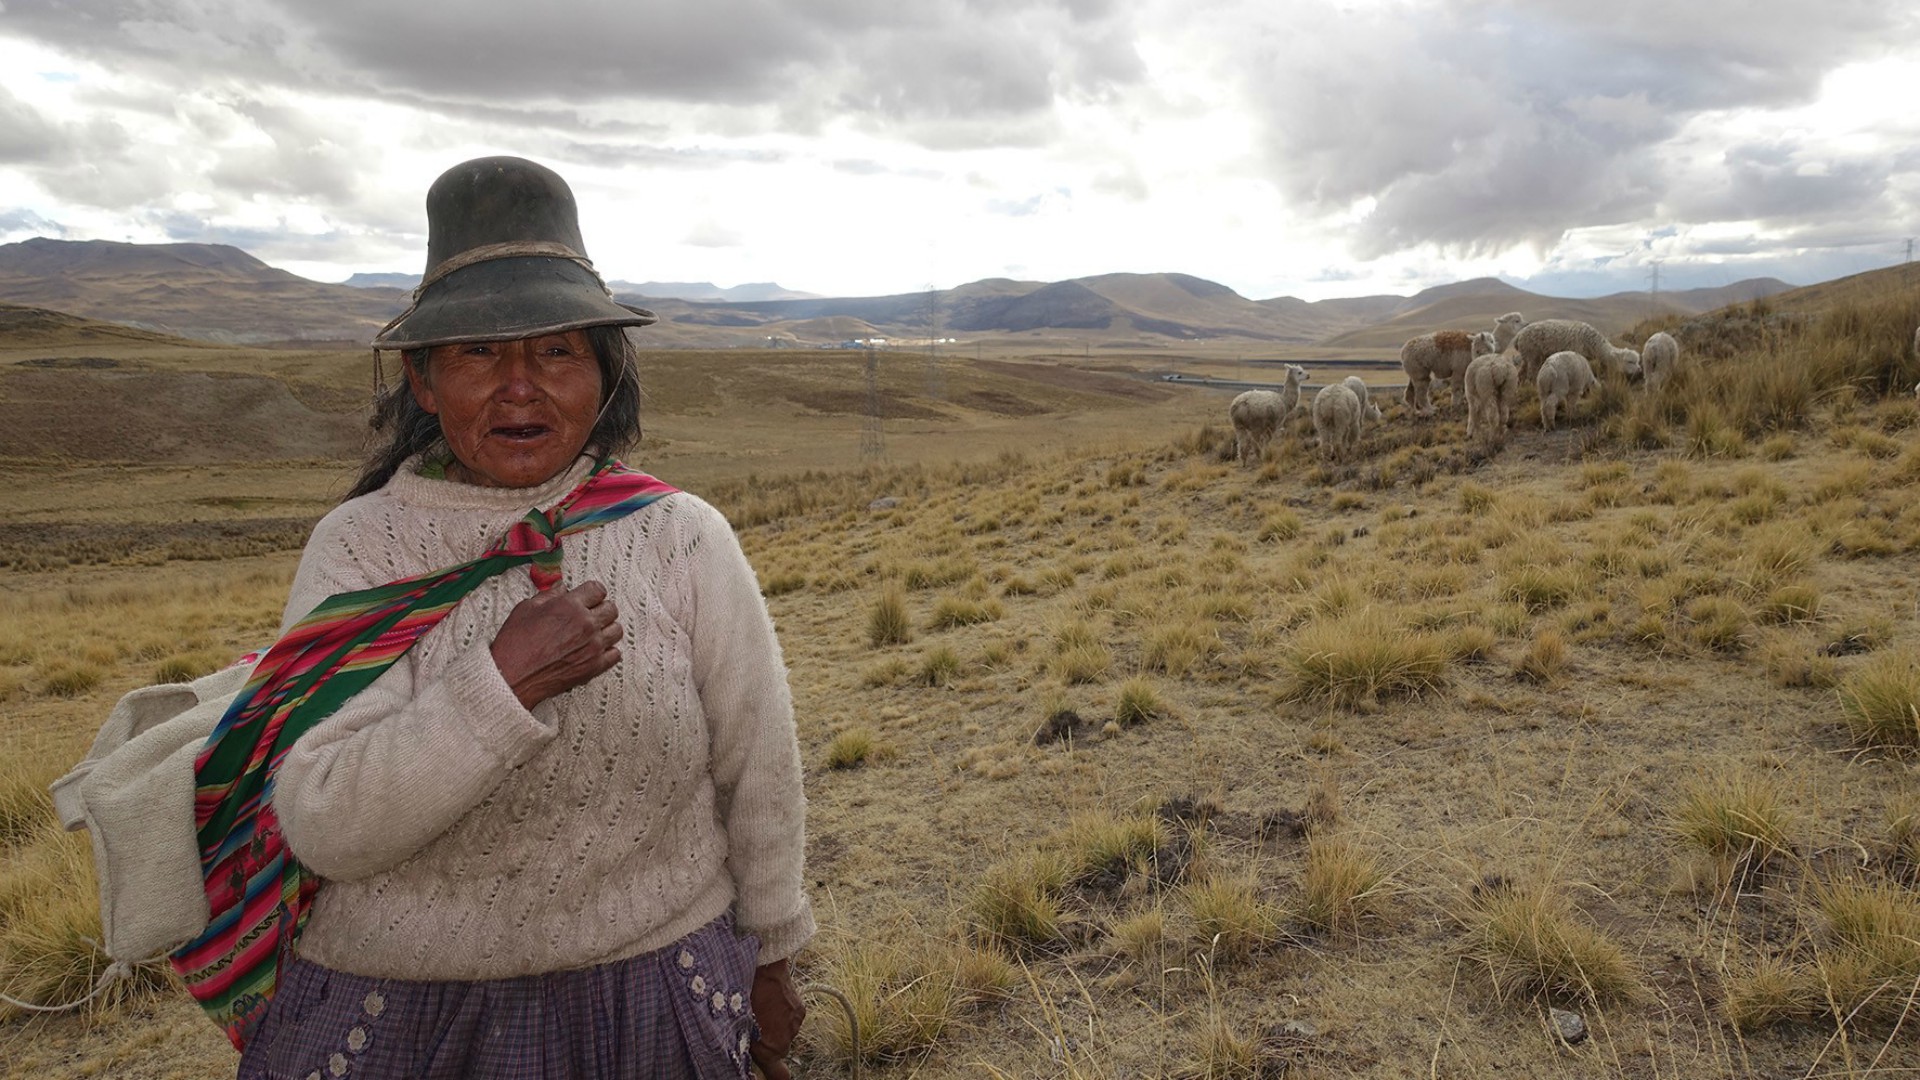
(221, 293)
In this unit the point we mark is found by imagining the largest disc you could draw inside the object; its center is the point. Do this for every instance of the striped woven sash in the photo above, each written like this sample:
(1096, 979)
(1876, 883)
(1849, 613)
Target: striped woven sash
(258, 892)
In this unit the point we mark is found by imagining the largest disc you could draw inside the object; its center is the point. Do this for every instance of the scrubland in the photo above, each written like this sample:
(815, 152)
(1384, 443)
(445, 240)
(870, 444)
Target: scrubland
(1125, 760)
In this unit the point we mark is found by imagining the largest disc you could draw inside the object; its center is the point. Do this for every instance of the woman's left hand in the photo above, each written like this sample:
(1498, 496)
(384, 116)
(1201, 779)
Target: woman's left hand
(778, 1010)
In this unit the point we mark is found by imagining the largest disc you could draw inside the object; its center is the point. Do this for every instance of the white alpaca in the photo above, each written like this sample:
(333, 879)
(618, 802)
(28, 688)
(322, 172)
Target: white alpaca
(1493, 385)
(1483, 343)
(1565, 377)
(1442, 355)
(1336, 420)
(1369, 412)
(1257, 414)
(1658, 357)
(1504, 329)
(1537, 341)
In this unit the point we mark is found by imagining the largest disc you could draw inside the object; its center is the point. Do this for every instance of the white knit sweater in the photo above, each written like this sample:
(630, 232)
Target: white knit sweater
(461, 836)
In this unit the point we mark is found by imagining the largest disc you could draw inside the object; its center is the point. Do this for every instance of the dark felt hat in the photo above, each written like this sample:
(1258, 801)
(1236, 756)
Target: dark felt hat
(504, 261)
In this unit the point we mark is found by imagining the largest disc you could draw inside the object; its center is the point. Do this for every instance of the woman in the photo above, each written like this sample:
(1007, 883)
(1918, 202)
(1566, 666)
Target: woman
(562, 835)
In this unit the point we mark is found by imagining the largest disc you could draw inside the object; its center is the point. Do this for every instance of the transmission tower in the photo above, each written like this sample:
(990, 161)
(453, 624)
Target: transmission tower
(873, 444)
(1653, 294)
(936, 380)
(1909, 249)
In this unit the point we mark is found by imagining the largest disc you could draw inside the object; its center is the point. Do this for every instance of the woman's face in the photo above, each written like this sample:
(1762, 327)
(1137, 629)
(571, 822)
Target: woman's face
(515, 413)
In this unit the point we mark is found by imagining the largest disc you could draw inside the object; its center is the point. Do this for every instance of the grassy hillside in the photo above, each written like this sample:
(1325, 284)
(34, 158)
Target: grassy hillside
(1125, 760)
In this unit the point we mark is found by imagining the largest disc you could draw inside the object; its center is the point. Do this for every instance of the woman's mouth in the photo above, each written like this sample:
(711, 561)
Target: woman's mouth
(519, 432)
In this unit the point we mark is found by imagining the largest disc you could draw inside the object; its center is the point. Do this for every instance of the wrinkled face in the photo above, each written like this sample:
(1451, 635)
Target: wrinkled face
(515, 413)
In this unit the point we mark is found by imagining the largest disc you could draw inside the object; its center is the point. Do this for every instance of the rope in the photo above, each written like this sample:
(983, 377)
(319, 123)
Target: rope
(116, 971)
(853, 1022)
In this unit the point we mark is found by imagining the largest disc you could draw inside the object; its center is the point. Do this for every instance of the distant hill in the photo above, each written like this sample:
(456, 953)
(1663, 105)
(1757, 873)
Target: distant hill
(219, 293)
(24, 328)
(1855, 288)
(207, 291)
(652, 290)
(1477, 303)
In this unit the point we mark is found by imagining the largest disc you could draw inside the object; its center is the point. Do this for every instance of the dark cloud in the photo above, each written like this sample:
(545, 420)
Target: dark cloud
(25, 135)
(1478, 124)
(939, 63)
(1777, 181)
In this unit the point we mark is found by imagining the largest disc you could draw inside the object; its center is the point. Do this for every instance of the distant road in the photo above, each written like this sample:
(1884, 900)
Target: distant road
(1208, 383)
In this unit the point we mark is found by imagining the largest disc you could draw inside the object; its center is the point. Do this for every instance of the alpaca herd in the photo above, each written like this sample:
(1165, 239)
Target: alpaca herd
(1563, 359)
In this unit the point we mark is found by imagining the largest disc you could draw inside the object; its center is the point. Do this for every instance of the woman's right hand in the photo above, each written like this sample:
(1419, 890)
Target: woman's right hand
(556, 640)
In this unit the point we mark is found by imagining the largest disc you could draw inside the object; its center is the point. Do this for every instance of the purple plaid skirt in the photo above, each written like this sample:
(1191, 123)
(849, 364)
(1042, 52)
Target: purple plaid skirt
(681, 1011)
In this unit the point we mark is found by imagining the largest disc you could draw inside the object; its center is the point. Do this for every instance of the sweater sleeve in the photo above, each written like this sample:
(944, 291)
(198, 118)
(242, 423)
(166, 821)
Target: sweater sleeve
(399, 763)
(742, 682)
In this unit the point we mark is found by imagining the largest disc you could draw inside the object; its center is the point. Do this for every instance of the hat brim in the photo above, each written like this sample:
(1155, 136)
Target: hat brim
(507, 300)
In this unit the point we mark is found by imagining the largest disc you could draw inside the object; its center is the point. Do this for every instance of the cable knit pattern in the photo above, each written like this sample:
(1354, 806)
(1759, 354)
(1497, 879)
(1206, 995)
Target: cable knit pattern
(462, 836)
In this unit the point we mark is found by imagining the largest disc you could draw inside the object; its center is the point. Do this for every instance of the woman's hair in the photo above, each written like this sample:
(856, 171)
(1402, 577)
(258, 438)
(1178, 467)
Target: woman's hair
(401, 428)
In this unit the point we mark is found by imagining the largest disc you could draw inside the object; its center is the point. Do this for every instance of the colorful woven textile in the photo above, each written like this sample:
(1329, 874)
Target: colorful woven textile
(258, 893)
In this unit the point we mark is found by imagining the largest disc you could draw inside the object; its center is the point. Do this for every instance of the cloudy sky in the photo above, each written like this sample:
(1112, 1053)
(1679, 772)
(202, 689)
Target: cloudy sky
(1313, 148)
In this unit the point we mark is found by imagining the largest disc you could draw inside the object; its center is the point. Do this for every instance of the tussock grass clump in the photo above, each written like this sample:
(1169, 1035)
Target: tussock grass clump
(186, 668)
(887, 623)
(1139, 702)
(1342, 884)
(939, 572)
(954, 611)
(1738, 819)
(852, 748)
(68, 679)
(1222, 1051)
(1793, 666)
(1085, 662)
(1017, 905)
(1718, 623)
(1279, 527)
(1790, 604)
(1477, 498)
(780, 584)
(1545, 658)
(26, 809)
(1771, 990)
(1534, 944)
(49, 921)
(940, 666)
(1229, 916)
(1144, 938)
(1538, 588)
(1353, 660)
(886, 672)
(1873, 958)
(1104, 849)
(902, 1003)
(1180, 647)
(1470, 644)
(1881, 700)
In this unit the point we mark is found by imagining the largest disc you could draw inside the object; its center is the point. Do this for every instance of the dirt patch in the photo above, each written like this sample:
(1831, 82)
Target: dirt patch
(47, 545)
(166, 417)
(1067, 378)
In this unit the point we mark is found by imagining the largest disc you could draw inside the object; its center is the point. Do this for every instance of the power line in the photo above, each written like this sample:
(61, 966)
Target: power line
(872, 439)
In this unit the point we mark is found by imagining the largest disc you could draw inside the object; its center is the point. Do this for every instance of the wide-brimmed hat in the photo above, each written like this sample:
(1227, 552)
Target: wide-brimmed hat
(504, 261)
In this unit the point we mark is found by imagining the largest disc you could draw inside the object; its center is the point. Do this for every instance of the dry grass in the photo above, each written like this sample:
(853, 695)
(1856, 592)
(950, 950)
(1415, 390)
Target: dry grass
(1342, 884)
(1534, 944)
(887, 620)
(1089, 955)
(1229, 917)
(1355, 660)
(1881, 700)
(1740, 820)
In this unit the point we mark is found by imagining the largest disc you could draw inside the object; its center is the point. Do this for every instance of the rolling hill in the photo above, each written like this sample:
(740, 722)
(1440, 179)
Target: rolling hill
(1475, 304)
(207, 291)
(223, 294)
